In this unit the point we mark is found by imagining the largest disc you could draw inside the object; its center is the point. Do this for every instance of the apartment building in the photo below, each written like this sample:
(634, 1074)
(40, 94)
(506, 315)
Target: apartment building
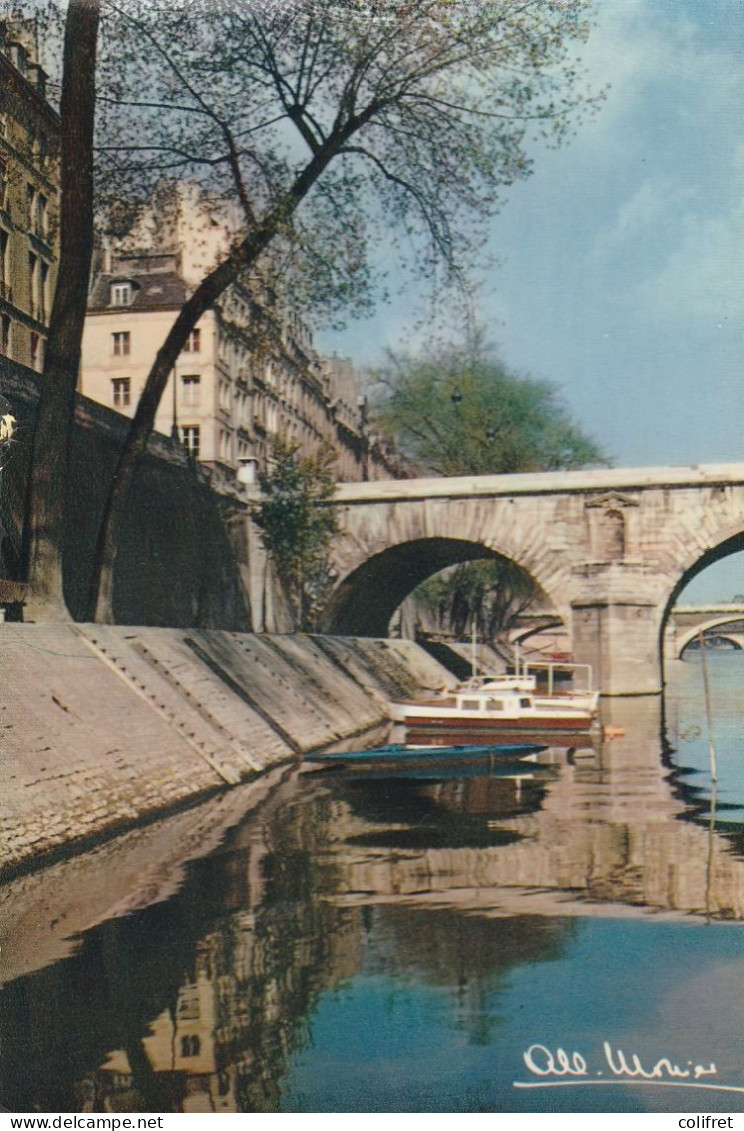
(247, 375)
(29, 195)
(241, 379)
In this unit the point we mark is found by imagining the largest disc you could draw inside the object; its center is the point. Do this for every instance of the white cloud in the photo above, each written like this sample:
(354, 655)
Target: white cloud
(703, 279)
(640, 215)
(670, 237)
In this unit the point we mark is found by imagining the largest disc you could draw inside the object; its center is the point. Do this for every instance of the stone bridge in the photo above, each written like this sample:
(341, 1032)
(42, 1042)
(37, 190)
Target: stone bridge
(686, 622)
(610, 550)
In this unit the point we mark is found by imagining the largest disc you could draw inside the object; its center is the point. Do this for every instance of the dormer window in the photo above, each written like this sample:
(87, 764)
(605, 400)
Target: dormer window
(18, 56)
(121, 294)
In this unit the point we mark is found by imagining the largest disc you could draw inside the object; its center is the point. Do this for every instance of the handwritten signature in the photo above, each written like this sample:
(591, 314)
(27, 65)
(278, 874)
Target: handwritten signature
(558, 1068)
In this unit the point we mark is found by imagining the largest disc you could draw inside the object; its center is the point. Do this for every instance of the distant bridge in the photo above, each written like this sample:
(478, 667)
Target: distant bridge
(686, 622)
(611, 550)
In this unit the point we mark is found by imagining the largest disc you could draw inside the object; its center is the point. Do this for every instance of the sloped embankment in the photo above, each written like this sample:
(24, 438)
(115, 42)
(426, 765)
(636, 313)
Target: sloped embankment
(103, 727)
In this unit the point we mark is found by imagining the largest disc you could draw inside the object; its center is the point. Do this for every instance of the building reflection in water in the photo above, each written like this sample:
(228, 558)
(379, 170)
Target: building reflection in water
(197, 1003)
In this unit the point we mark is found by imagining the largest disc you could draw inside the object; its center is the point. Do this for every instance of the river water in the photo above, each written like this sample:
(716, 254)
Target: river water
(569, 940)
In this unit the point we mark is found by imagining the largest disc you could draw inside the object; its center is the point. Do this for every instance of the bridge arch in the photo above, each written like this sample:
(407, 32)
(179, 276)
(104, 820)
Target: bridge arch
(365, 600)
(544, 624)
(693, 565)
(685, 639)
(535, 636)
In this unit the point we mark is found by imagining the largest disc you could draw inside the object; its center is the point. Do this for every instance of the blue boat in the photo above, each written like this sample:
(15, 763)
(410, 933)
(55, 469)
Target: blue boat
(398, 755)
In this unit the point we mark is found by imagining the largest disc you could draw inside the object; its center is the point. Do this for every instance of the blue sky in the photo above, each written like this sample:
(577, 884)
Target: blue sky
(621, 259)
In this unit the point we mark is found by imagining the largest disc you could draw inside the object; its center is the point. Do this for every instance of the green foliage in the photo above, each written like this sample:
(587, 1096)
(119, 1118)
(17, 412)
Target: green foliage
(412, 116)
(296, 527)
(490, 593)
(462, 412)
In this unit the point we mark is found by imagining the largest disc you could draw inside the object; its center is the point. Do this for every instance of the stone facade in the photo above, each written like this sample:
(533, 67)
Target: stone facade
(29, 191)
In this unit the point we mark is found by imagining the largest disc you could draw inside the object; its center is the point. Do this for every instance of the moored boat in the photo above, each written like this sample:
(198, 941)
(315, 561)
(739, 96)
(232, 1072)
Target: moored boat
(545, 681)
(398, 755)
(492, 707)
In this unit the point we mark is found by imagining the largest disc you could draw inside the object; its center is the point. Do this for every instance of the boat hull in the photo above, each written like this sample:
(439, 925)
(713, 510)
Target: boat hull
(508, 753)
(449, 736)
(527, 724)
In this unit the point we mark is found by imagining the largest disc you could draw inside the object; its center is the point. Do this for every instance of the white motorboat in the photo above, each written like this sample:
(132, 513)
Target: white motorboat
(494, 706)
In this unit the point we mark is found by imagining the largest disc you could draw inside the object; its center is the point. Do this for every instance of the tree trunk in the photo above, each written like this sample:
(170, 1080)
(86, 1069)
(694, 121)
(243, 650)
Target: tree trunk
(49, 478)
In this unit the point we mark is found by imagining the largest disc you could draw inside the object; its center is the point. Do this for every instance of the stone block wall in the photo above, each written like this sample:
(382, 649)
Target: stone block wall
(105, 727)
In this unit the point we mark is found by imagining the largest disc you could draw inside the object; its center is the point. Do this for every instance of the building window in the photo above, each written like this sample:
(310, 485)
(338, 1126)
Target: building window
(190, 436)
(120, 342)
(121, 294)
(121, 391)
(33, 282)
(18, 57)
(44, 291)
(30, 206)
(193, 342)
(190, 389)
(35, 351)
(41, 215)
(190, 1046)
(4, 241)
(225, 445)
(225, 396)
(5, 336)
(3, 183)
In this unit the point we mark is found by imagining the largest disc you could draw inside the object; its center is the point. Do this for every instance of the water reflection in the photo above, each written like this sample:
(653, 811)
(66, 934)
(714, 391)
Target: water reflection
(365, 943)
(689, 738)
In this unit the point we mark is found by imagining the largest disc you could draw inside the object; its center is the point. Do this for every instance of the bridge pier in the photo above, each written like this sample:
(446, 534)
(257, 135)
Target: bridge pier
(620, 639)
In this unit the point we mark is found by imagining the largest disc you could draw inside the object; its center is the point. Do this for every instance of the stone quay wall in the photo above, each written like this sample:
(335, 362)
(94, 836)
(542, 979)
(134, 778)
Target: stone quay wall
(102, 728)
(183, 552)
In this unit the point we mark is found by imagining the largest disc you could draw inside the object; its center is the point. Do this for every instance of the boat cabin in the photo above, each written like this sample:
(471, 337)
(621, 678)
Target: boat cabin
(504, 700)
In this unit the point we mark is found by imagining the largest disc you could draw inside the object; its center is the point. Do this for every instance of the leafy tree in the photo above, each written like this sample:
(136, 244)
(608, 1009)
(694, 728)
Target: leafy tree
(489, 593)
(296, 528)
(460, 411)
(325, 126)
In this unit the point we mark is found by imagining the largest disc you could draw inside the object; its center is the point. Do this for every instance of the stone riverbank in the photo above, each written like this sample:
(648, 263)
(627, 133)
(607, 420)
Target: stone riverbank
(103, 728)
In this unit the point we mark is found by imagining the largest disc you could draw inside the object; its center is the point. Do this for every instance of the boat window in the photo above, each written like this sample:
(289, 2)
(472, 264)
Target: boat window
(471, 704)
(525, 702)
(494, 705)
